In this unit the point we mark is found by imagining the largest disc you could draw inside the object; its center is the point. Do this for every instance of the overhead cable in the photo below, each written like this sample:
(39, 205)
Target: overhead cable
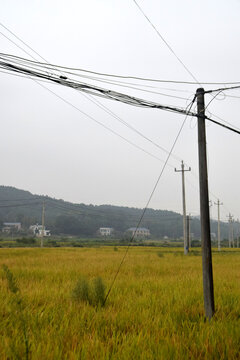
(221, 89)
(224, 126)
(105, 93)
(93, 90)
(17, 37)
(64, 68)
(165, 42)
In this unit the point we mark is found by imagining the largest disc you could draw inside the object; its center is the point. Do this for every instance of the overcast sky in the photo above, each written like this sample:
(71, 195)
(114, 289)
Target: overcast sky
(50, 148)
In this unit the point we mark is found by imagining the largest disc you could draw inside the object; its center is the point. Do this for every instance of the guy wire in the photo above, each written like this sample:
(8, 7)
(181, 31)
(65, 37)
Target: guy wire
(150, 198)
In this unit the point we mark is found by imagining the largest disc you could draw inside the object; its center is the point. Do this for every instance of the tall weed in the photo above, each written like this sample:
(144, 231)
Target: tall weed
(92, 293)
(18, 300)
(81, 290)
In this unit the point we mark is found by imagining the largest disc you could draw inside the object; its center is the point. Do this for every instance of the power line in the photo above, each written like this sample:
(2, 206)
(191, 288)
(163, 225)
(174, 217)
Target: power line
(15, 43)
(129, 126)
(9, 200)
(95, 100)
(65, 68)
(224, 126)
(106, 94)
(103, 125)
(110, 112)
(165, 42)
(74, 209)
(94, 90)
(17, 37)
(18, 205)
(222, 89)
(106, 127)
(233, 96)
(181, 62)
(228, 123)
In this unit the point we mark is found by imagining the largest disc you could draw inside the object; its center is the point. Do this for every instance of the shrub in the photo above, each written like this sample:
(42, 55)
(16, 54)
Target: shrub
(98, 292)
(81, 291)
(26, 241)
(92, 293)
(160, 254)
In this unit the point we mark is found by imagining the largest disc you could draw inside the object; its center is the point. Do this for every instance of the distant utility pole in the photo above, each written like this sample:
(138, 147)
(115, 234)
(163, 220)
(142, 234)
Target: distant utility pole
(208, 292)
(233, 245)
(210, 215)
(210, 208)
(43, 222)
(219, 235)
(230, 231)
(237, 233)
(188, 232)
(184, 207)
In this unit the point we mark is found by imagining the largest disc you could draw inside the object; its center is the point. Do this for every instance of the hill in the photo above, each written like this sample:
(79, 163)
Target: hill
(63, 217)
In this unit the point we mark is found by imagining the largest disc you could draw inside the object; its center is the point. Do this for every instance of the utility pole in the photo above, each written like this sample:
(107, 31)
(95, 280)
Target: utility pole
(230, 230)
(43, 222)
(184, 207)
(237, 233)
(210, 210)
(210, 215)
(208, 292)
(233, 233)
(219, 235)
(188, 232)
(229, 236)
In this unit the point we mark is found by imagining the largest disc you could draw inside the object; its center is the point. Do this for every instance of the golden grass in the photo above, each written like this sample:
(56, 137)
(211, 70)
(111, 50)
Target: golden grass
(155, 309)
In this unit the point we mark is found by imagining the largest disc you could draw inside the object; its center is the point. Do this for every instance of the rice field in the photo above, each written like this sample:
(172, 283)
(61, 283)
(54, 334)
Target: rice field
(154, 311)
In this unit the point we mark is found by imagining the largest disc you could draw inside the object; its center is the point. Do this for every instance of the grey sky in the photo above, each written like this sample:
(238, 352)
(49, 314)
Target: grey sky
(50, 148)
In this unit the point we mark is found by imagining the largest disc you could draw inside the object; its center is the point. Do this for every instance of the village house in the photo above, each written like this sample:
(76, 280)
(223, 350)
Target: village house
(106, 231)
(39, 230)
(140, 232)
(11, 226)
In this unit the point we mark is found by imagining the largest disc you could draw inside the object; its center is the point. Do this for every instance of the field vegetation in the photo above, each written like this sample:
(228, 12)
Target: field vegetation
(154, 311)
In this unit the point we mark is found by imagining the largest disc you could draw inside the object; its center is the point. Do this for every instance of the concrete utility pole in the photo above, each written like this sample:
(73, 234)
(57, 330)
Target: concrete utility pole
(208, 292)
(188, 232)
(219, 235)
(184, 207)
(237, 233)
(43, 223)
(210, 210)
(230, 231)
(210, 215)
(233, 245)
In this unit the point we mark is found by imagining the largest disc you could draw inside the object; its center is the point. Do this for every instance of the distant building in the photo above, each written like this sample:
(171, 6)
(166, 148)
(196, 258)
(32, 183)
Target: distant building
(106, 231)
(38, 229)
(140, 232)
(8, 227)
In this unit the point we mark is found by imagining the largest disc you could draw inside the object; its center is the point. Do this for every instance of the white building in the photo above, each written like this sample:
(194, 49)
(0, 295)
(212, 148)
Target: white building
(8, 227)
(106, 231)
(140, 232)
(39, 229)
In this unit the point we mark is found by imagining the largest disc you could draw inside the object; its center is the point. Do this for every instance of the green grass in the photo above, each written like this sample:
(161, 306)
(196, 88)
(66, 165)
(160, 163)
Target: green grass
(154, 311)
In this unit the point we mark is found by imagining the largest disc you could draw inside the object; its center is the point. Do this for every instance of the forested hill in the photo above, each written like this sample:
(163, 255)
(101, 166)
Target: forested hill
(63, 217)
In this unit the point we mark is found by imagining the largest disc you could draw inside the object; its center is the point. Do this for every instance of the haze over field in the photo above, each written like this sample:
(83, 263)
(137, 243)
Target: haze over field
(48, 147)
